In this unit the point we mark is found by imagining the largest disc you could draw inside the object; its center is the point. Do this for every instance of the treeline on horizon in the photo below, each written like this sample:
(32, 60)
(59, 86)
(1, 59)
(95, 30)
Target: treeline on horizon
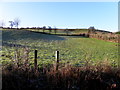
(37, 28)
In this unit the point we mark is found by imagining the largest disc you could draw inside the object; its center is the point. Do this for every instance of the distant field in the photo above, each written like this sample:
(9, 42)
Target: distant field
(74, 50)
(62, 31)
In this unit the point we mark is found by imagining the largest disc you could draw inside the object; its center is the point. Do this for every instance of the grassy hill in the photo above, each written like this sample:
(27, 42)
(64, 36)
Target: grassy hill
(75, 50)
(11, 35)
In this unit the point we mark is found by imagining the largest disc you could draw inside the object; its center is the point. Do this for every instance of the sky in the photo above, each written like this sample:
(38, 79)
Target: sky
(101, 15)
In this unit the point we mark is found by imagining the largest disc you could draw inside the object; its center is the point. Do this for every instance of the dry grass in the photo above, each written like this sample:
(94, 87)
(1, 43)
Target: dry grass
(106, 37)
(65, 78)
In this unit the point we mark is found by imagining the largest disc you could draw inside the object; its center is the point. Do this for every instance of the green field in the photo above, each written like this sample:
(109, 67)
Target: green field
(75, 50)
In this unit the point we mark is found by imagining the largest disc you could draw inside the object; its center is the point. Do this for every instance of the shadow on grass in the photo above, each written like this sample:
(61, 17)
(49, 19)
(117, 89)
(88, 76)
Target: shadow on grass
(14, 35)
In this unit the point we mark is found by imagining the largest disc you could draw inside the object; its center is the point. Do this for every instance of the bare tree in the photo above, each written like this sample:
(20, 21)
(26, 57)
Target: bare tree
(50, 29)
(11, 23)
(55, 30)
(44, 27)
(67, 31)
(16, 22)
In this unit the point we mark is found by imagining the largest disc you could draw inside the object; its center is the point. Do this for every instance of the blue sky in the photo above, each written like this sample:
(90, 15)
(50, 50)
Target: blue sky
(101, 15)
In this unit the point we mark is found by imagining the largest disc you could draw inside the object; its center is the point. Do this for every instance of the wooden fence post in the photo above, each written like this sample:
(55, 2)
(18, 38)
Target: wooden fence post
(35, 60)
(57, 59)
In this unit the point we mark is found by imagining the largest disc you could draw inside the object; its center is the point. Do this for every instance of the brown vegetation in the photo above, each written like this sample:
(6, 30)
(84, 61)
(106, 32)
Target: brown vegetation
(106, 37)
(65, 78)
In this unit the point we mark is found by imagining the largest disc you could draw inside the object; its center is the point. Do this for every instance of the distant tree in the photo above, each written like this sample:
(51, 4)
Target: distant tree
(66, 30)
(11, 23)
(55, 30)
(44, 27)
(16, 22)
(91, 29)
(38, 28)
(50, 29)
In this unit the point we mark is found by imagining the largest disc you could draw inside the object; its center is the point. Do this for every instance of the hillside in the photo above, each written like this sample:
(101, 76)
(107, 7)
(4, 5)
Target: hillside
(72, 49)
(11, 35)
